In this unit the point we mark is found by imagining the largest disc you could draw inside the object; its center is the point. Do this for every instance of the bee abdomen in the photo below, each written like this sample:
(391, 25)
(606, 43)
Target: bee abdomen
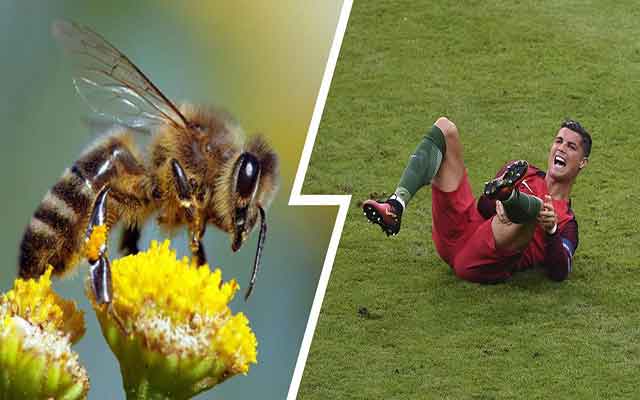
(54, 234)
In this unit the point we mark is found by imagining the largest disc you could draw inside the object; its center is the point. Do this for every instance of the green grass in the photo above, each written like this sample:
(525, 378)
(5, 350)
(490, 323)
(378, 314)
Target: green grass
(507, 72)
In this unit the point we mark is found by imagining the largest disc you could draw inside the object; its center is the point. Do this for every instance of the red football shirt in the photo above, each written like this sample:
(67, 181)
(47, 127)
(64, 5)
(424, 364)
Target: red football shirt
(553, 252)
(534, 183)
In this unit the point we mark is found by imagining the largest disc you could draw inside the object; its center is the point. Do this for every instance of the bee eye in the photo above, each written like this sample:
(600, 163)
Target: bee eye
(208, 148)
(248, 172)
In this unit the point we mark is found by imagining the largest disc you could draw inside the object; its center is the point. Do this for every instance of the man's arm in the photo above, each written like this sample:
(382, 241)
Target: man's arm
(559, 250)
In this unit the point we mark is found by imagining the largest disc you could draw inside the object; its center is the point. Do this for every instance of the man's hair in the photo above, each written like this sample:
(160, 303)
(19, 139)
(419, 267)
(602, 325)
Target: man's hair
(579, 129)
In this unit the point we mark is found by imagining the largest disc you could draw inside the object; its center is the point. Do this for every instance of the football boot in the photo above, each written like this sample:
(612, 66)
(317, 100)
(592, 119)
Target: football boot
(501, 188)
(386, 214)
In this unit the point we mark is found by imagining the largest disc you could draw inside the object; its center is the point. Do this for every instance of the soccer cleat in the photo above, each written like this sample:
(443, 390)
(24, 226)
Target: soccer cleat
(501, 188)
(386, 214)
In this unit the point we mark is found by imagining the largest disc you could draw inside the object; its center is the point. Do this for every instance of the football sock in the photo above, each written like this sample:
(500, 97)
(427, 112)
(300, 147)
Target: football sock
(423, 165)
(522, 208)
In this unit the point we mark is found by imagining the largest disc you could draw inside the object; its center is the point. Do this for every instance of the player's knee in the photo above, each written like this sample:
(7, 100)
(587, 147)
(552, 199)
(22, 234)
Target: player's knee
(448, 128)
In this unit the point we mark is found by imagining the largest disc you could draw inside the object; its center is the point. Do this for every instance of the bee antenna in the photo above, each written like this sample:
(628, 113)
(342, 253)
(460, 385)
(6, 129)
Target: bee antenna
(256, 264)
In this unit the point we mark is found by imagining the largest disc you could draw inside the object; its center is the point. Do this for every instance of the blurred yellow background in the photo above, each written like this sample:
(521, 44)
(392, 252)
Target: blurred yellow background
(262, 61)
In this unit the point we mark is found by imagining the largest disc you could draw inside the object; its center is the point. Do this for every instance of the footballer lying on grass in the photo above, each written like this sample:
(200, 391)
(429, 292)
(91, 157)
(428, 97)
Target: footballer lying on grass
(522, 219)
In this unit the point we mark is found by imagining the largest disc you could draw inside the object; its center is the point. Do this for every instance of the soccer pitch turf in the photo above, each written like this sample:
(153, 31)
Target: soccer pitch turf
(506, 73)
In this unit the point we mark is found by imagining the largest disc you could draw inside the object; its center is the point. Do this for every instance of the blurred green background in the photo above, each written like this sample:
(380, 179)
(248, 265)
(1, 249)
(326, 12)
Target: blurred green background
(263, 61)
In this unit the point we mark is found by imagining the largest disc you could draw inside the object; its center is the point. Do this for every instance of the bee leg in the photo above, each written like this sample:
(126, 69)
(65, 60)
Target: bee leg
(197, 249)
(129, 241)
(100, 267)
(185, 195)
(198, 252)
(183, 187)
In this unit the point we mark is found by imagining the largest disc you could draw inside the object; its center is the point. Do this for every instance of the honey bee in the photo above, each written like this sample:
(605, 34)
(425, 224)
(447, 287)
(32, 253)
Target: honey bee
(197, 170)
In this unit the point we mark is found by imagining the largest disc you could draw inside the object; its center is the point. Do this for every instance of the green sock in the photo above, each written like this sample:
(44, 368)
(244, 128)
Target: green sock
(522, 208)
(423, 165)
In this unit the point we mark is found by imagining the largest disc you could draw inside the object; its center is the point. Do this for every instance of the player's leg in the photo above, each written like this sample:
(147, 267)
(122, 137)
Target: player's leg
(489, 254)
(519, 207)
(451, 171)
(479, 260)
(510, 236)
(437, 159)
(516, 212)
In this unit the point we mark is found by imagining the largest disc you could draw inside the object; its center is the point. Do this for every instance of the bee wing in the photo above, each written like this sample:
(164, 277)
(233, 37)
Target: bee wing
(98, 125)
(113, 86)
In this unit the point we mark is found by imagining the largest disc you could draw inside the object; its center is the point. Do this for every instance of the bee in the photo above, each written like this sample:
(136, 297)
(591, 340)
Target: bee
(196, 170)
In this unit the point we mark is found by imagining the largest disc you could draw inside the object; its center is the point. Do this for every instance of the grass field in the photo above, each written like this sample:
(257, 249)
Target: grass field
(507, 72)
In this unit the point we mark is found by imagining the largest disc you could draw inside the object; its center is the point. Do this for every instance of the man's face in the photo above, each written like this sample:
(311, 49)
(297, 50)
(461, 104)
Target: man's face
(566, 157)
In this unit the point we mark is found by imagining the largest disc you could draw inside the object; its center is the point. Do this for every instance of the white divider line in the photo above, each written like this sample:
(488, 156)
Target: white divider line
(297, 199)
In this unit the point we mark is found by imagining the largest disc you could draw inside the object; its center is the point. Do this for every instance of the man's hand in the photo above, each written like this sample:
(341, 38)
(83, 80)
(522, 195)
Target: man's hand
(501, 214)
(547, 217)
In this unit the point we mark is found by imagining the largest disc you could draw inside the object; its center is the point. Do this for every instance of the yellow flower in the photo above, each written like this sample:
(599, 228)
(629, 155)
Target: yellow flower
(170, 326)
(37, 328)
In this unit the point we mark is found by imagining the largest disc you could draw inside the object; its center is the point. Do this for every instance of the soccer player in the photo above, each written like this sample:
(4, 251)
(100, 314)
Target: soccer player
(522, 219)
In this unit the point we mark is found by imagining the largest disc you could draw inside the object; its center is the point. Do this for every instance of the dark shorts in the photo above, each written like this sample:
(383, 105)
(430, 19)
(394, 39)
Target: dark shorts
(464, 239)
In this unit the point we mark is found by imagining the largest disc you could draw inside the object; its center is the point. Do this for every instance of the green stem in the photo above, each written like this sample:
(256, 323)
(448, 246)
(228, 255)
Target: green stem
(142, 390)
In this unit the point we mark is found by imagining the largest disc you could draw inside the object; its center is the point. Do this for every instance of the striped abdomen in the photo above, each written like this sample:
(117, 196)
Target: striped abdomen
(55, 233)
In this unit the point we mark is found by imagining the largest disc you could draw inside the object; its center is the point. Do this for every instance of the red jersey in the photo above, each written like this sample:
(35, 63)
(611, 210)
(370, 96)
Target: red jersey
(554, 252)
(535, 184)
